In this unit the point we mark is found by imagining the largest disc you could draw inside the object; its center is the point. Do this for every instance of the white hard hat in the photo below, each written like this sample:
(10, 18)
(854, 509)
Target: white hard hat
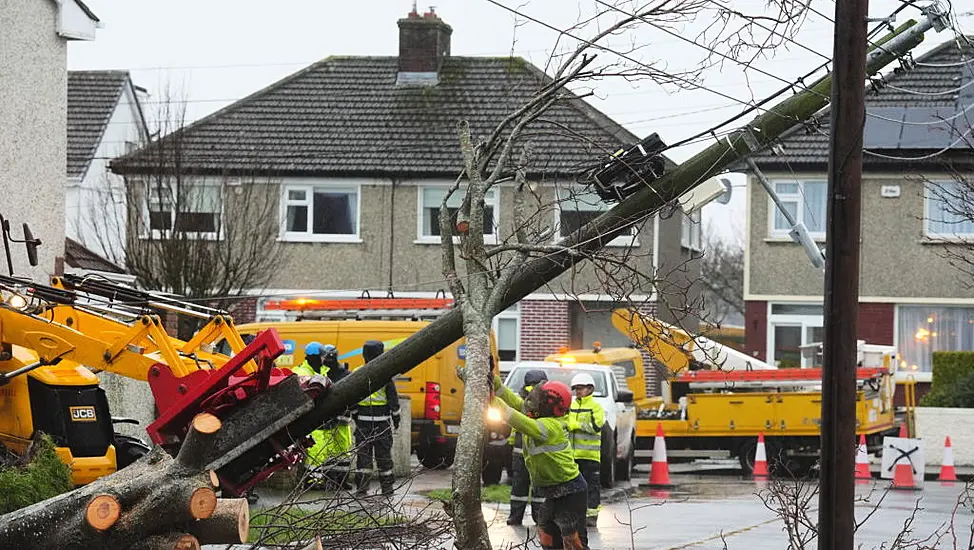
(583, 379)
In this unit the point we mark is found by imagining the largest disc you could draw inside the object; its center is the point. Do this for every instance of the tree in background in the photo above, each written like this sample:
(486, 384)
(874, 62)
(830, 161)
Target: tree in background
(722, 277)
(210, 239)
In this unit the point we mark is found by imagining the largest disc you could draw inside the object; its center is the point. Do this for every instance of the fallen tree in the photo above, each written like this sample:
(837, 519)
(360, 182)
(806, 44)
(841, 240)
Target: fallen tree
(159, 502)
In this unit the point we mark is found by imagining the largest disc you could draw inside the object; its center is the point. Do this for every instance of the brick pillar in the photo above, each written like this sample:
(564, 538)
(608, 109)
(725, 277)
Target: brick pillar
(544, 328)
(756, 329)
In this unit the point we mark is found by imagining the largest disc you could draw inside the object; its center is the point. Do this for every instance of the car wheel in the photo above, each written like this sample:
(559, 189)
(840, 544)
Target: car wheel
(608, 463)
(624, 467)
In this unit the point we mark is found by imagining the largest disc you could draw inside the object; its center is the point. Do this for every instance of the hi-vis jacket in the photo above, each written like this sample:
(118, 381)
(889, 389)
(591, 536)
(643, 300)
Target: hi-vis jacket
(333, 441)
(585, 420)
(547, 449)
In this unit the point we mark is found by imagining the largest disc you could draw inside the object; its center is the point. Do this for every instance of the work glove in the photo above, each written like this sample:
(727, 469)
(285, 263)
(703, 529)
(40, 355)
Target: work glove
(395, 422)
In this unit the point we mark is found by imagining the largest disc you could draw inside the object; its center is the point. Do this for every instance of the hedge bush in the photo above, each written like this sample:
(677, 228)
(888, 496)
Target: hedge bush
(953, 380)
(43, 477)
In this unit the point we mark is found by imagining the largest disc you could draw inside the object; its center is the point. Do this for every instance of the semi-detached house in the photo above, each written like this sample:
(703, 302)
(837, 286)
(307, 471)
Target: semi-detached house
(359, 152)
(918, 136)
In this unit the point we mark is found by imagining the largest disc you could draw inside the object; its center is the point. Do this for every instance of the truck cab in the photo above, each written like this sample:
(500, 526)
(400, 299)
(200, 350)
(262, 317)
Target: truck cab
(618, 434)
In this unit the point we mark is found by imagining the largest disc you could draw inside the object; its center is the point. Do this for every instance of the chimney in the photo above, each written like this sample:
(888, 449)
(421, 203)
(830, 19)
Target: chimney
(424, 41)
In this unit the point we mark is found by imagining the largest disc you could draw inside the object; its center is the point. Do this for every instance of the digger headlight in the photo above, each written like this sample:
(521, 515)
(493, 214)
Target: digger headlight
(16, 301)
(493, 415)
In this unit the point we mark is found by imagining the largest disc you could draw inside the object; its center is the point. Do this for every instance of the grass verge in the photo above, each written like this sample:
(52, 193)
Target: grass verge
(296, 523)
(491, 493)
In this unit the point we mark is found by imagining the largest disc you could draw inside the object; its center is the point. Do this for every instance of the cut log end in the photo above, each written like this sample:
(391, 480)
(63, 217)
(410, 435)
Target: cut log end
(229, 524)
(202, 503)
(186, 542)
(214, 479)
(207, 423)
(102, 512)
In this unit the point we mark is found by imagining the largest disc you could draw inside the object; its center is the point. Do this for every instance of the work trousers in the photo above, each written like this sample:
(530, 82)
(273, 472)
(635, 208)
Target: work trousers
(374, 439)
(521, 490)
(561, 523)
(592, 472)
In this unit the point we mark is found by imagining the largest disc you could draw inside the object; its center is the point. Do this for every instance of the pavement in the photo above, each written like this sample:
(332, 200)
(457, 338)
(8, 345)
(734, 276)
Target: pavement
(712, 506)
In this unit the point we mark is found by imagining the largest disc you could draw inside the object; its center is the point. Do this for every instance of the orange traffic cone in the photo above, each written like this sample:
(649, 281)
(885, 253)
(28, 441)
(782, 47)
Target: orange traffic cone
(760, 458)
(659, 474)
(862, 460)
(903, 476)
(947, 472)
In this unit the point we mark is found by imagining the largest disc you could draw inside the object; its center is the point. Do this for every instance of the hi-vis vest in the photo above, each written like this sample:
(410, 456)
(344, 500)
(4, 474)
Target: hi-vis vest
(377, 399)
(586, 418)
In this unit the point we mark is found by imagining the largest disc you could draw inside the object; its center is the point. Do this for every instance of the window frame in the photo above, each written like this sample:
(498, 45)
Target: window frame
(929, 200)
(622, 241)
(803, 321)
(494, 201)
(513, 312)
(692, 224)
(800, 208)
(146, 232)
(309, 236)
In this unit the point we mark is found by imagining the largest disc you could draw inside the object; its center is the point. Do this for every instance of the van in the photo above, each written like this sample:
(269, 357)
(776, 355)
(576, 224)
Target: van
(435, 392)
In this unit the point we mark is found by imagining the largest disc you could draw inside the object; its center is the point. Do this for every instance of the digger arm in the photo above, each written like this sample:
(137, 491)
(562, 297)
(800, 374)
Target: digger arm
(666, 343)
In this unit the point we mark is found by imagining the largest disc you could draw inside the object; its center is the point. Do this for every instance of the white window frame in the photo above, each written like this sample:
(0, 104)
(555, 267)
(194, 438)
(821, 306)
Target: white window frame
(564, 197)
(491, 198)
(801, 210)
(929, 200)
(691, 231)
(513, 312)
(309, 236)
(805, 322)
(147, 232)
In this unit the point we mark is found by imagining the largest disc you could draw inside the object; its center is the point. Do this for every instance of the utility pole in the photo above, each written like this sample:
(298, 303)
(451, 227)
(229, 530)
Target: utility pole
(836, 510)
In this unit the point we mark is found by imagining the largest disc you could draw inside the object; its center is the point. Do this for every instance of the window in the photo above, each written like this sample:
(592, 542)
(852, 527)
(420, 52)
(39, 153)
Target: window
(691, 231)
(507, 328)
(922, 330)
(943, 221)
(579, 207)
(430, 199)
(186, 209)
(791, 326)
(805, 201)
(319, 213)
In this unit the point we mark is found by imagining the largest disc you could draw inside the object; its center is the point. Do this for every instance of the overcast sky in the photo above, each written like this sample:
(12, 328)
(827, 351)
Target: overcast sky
(217, 51)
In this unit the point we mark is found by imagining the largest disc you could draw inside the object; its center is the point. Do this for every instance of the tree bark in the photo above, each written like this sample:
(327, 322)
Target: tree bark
(468, 516)
(147, 502)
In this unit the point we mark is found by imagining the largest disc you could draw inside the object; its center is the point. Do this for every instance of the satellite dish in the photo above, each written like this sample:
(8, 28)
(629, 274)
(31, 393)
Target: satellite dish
(725, 197)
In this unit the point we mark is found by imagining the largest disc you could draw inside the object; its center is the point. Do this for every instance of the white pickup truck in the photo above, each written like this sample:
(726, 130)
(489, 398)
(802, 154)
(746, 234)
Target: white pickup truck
(618, 434)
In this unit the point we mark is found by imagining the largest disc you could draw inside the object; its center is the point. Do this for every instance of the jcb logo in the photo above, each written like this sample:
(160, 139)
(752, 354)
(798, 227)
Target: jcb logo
(83, 414)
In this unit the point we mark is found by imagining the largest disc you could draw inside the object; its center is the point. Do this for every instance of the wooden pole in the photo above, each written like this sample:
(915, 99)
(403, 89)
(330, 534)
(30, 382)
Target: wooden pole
(837, 516)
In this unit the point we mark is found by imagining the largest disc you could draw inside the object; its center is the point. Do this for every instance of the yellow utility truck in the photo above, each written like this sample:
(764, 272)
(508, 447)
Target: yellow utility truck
(716, 400)
(436, 394)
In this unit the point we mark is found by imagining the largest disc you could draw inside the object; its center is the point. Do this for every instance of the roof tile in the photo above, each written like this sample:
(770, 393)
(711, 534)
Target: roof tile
(92, 97)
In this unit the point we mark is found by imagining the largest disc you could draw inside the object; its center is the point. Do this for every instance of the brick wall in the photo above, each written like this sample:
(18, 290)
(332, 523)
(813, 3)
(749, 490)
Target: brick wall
(876, 323)
(244, 310)
(756, 329)
(544, 328)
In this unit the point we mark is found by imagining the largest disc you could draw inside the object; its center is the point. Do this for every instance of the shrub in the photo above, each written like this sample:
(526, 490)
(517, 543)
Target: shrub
(43, 477)
(953, 380)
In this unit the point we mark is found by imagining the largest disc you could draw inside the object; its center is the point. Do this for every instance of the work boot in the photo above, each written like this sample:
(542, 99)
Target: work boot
(592, 521)
(514, 521)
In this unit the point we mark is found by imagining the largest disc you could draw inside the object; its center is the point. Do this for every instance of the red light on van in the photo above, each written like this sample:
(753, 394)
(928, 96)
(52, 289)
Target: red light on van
(432, 405)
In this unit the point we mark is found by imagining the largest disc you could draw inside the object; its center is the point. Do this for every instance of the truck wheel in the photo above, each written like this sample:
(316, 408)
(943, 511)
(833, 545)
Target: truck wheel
(128, 449)
(745, 455)
(608, 462)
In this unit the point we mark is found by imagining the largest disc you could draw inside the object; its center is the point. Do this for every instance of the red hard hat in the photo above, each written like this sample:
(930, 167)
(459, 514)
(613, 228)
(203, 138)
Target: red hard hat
(558, 396)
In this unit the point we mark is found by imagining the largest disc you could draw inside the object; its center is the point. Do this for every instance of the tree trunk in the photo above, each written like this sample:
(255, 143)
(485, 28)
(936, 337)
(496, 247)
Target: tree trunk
(146, 505)
(468, 516)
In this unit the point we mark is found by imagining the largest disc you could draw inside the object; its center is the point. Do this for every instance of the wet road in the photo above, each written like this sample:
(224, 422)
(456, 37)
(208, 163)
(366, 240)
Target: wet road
(713, 508)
